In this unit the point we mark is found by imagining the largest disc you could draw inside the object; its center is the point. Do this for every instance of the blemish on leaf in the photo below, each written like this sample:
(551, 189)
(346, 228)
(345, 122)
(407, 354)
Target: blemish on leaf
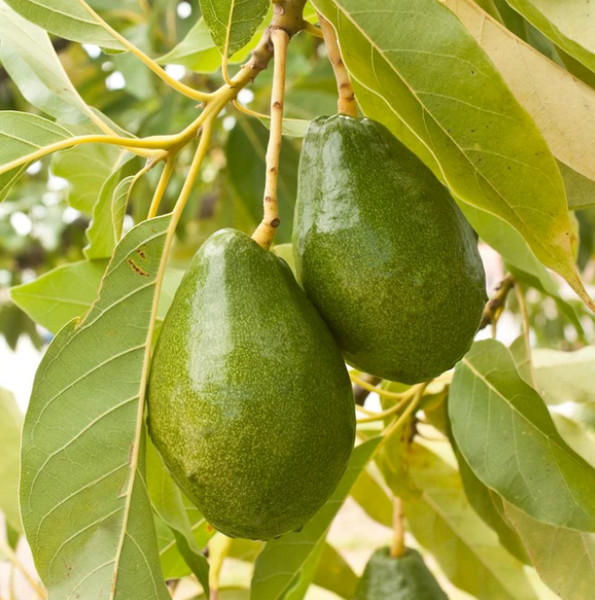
(137, 269)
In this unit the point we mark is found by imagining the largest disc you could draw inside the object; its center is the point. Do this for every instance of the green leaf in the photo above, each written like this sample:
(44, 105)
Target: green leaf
(246, 149)
(68, 19)
(196, 51)
(291, 127)
(20, 135)
(30, 59)
(564, 559)
(414, 59)
(282, 560)
(228, 594)
(508, 438)
(565, 376)
(569, 25)
(108, 215)
(59, 296)
(443, 521)
(299, 586)
(233, 22)
(489, 506)
(169, 505)
(11, 423)
(558, 103)
(334, 574)
(370, 495)
(86, 168)
(521, 353)
(83, 494)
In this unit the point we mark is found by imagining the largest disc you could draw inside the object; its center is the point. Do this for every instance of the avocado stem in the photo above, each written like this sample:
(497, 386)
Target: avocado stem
(265, 232)
(397, 548)
(346, 103)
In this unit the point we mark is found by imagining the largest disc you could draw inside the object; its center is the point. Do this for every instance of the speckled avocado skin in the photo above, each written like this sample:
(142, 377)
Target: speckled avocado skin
(250, 402)
(384, 253)
(404, 578)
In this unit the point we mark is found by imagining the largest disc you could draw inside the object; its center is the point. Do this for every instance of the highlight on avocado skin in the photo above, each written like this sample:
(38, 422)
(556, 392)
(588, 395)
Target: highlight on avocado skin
(250, 403)
(384, 253)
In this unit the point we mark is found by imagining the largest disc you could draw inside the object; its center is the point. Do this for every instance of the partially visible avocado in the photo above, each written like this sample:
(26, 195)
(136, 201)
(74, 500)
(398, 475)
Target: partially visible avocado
(403, 578)
(250, 402)
(384, 253)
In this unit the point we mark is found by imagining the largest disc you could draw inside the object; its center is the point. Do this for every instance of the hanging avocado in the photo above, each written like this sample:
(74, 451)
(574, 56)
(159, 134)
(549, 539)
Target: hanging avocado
(403, 578)
(384, 253)
(250, 403)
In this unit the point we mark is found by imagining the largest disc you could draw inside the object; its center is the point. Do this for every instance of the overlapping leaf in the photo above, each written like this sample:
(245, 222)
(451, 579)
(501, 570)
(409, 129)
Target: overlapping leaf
(416, 60)
(68, 19)
(233, 22)
(169, 505)
(11, 422)
(568, 24)
(443, 521)
(279, 565)
(20, 135)
(83, 494)
(562, 106)
(565, 376)
(564, 558)
(60, 295)
(507, 436)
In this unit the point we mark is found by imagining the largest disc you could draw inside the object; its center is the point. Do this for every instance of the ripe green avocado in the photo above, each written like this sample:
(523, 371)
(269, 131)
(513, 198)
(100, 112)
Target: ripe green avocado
(384, 253)
(404, 578)
(250, 403)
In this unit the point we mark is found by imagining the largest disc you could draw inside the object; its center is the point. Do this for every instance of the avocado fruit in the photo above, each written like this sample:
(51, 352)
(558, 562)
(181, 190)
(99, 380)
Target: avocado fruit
(402, 578)
(249, 403)
(384, 252)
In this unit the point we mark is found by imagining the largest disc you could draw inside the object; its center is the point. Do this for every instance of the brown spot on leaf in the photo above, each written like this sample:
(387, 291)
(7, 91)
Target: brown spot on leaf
(137, 269)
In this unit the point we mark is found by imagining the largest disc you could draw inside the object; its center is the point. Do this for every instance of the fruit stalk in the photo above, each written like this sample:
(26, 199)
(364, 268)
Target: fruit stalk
(265, 232)
(397, 548)
(346, 103)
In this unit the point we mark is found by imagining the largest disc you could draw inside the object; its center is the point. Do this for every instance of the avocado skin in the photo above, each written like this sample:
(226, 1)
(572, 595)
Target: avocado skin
(250, 402)
(403, 578)
(384, 253)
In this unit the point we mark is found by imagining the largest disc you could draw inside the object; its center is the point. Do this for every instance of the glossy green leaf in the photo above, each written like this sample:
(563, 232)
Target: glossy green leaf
(416, 60)
(246, 149)
(233, 22)
(29, 58)
(169, 505)
(568, 24)
(108, 215)
(68, 19)
(86, 168)
(59, 296)
(444, 522)
(565, 376)
(282, 560)
(303, 579)
(20, 135)
(83, 495)
(564, 558)
(558, 103)
(508, 438)
(11, 423)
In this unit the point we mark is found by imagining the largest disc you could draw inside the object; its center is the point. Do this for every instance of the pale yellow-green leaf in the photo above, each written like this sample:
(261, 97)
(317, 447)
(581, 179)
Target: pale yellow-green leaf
(562, 106)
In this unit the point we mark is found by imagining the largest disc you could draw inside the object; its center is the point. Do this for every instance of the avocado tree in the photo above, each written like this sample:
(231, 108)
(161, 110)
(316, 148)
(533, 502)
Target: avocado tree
(249, 232)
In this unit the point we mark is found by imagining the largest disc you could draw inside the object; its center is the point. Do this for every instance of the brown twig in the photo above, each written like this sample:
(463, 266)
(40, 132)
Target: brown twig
(346, 103)
(495, 306)
(265, 232)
